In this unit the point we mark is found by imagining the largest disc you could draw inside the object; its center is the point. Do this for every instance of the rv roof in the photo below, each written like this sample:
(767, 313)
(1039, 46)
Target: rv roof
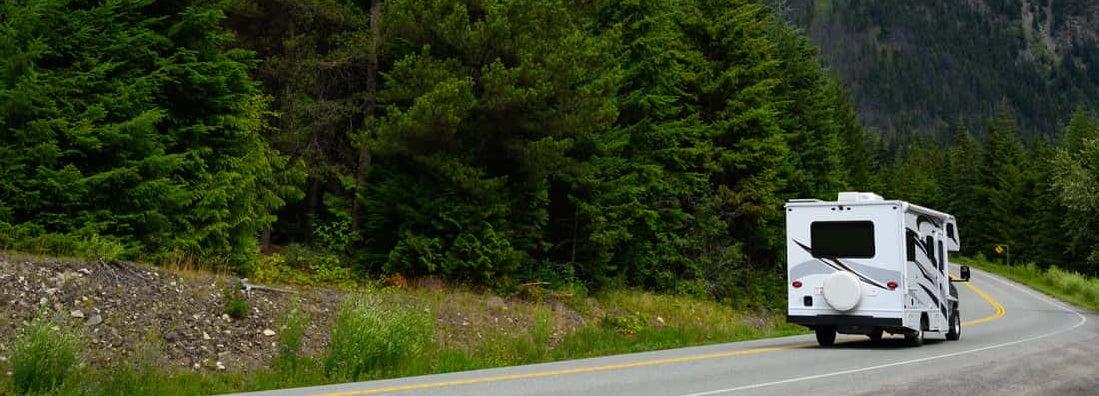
(851, 196)
(860, 199)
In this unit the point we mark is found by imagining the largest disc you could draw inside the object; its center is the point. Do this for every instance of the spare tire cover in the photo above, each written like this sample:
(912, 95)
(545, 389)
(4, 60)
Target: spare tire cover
(843, 291)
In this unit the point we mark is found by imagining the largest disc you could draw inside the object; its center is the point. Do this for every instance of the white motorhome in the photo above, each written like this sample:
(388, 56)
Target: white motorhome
(866, 265)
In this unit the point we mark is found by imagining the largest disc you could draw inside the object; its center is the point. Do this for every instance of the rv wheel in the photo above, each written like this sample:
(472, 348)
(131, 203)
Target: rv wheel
(916, 338)
(826, 336)
(955, 331)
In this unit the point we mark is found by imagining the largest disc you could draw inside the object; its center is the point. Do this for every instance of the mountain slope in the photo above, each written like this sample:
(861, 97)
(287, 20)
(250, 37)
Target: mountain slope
(921, 65)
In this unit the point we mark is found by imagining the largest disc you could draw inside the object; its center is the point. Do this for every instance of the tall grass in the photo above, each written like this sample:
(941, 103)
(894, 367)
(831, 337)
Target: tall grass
(373, 339)
(1068, 286)
(290, 360)
(370, 339)
(44, 356)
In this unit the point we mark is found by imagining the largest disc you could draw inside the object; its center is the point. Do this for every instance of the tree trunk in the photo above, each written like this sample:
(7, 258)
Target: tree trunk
(365, 155)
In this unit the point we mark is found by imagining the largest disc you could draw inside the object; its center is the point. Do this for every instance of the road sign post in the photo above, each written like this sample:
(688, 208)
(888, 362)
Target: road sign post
(1003, 249)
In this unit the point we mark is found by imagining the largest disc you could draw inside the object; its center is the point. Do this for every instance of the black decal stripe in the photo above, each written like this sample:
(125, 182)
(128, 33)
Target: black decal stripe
(915, 236)
(862, 277)
(838, 265)
(927, 219)
(934, 299)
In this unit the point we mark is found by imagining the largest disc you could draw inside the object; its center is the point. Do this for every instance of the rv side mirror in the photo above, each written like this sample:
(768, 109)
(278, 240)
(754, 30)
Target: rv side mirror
(964, 275)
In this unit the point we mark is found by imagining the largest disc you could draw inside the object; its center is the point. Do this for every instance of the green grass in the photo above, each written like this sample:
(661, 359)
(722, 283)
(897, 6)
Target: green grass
(1067, 286)
(235, 304)
(370, 340)
(45, 355)
(373, 339)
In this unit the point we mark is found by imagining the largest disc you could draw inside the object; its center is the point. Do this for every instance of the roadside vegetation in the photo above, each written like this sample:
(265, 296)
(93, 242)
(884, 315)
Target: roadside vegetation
(1069, 286)
(612, 173)
(383, 329)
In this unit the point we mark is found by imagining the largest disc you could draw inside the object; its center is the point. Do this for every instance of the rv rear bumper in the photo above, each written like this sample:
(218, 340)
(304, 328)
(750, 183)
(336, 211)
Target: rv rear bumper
(844, 320)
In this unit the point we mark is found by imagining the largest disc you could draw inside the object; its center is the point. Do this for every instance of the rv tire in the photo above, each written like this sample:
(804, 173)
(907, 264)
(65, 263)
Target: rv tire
(826, 336)
(916, 338)
(955, 331)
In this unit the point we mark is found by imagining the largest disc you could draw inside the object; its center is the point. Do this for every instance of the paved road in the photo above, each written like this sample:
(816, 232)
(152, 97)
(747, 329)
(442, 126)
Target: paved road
(1014, 341)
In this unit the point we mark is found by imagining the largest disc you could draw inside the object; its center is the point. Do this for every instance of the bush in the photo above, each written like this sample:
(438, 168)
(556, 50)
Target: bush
(85, 244)
(235, 304)
(302, 266)
(626, 324)
(44, 355)
(369, 338)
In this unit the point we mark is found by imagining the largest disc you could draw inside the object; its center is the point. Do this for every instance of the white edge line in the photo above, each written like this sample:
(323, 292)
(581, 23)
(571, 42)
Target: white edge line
(1043, 298)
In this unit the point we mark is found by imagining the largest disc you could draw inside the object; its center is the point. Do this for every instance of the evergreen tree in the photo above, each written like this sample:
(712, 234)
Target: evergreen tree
(1046, 242)
(482, 105)
(1076, 184)
(131, 120)
(633, 195)
(735, 98)
(813, 117)
(1003, 192)
(962, 192)
(315, 54)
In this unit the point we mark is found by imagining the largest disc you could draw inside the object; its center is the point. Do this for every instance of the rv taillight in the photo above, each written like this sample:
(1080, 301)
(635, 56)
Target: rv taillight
(797, 284)
(892, 285)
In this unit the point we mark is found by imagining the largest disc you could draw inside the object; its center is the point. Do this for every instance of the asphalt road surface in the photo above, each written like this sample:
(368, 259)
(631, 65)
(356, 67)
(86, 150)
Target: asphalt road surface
(1014, 341)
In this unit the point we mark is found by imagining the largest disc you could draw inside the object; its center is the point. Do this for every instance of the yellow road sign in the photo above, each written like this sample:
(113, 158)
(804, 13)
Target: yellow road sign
(999, 249)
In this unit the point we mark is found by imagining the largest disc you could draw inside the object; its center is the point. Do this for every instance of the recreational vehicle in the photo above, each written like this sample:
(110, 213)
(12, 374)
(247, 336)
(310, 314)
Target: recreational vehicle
(866, 265)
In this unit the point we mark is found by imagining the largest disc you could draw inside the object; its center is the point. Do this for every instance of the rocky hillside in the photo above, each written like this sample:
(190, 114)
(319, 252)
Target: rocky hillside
(124, 313)
(120, 309)
(921, 65)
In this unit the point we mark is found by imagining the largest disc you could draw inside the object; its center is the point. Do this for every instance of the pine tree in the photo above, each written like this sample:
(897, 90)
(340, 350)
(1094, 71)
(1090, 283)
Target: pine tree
(482, 106)
(1003, 191)
(961, 191)
(1046, 237)
(140, 125)
(643, 172)
(1076, 184)
(734, 96)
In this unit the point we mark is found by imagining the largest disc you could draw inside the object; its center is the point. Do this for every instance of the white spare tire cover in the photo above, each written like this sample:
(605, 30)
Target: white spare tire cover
(842, 291)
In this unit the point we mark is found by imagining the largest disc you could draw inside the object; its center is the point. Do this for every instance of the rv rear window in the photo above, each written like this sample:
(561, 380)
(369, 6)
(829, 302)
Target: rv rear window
(847, 239)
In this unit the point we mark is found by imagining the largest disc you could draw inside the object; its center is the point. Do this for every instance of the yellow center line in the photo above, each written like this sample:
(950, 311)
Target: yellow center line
(431, 385)
(1000, 312)
(569, 371)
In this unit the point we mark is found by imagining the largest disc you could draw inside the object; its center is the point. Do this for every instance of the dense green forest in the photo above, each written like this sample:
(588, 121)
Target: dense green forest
(640, 143)
(920, 65)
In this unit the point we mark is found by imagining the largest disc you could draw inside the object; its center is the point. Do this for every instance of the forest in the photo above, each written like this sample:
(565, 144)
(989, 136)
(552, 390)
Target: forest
(922, 65)
(600, 144)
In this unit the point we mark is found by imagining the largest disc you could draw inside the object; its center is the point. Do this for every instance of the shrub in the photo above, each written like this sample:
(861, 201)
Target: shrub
(43, 357)
(337, 236)
(303, 266)
(369, 338)
(625, 324)
(235, 304)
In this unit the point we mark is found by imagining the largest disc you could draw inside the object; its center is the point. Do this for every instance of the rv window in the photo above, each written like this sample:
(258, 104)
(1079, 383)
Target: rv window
(942, 258)
(847, 239)
(913, 240)
(930, 245)
(950, 231)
